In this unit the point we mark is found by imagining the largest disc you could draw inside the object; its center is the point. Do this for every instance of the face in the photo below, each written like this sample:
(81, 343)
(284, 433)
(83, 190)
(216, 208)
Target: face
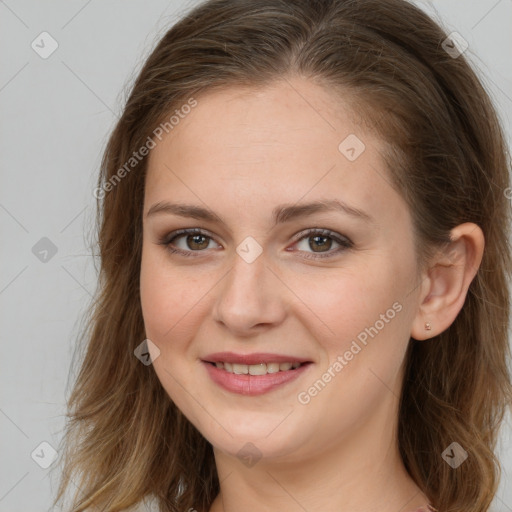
(332, 286)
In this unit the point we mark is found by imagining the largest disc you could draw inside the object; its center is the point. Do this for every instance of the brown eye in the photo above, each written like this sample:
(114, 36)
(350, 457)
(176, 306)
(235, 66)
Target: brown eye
(196, 241)
(320, 241)
(186, 242)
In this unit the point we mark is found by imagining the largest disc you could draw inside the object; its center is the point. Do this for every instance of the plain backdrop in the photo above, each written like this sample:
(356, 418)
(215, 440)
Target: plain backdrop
(56, 114)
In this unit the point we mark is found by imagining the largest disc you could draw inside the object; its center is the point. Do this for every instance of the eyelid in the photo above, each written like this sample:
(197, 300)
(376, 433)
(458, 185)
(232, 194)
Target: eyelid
(343, 241)
(322, 231)
(166, 239)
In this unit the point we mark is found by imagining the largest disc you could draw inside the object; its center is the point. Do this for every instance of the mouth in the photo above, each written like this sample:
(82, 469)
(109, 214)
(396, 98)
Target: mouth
(254, 379)
(257, 369)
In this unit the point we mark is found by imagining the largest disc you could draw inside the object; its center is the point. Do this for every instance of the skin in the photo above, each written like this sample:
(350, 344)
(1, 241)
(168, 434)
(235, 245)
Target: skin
(241, 152)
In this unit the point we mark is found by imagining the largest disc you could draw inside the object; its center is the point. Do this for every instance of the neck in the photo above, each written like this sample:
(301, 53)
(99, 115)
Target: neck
(364, 473)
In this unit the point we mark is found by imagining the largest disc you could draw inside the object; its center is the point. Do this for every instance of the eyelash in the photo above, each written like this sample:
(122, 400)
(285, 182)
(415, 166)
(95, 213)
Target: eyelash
(343, 241)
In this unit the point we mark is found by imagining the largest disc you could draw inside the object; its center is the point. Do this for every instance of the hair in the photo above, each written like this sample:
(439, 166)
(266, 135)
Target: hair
(445, 151)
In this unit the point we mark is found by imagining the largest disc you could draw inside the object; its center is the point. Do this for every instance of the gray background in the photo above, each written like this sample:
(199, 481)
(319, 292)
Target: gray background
(56, 114)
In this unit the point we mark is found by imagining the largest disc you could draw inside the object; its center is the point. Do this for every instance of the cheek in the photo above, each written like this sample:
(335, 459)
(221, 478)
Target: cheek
(172, 298)
(343, 303)
(156, 301)
(171, 309)
(159, 294)
(366, 312)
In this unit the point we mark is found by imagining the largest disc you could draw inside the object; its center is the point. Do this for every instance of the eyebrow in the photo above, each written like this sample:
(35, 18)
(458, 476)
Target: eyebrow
(280, 214)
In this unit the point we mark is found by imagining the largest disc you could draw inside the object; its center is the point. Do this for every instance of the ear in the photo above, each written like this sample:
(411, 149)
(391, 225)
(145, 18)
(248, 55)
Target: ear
(445, 284)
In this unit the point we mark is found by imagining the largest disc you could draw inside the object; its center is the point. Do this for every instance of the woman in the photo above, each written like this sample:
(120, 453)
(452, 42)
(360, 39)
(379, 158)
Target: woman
(304, 252)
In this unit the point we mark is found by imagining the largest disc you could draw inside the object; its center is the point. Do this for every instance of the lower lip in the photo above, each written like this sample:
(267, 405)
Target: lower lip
(253, 385)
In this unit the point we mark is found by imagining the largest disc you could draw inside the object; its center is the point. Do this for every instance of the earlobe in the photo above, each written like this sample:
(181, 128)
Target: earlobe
(447, 280)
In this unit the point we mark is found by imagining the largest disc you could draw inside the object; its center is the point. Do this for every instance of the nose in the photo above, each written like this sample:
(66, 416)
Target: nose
(251, 298)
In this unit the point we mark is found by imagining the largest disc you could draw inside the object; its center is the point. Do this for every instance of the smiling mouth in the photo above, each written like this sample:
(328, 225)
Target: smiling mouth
(256, 369)
(254, 379)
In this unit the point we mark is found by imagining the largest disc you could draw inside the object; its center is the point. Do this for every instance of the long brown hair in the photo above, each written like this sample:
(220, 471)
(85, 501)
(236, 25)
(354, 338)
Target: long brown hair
(125, 439)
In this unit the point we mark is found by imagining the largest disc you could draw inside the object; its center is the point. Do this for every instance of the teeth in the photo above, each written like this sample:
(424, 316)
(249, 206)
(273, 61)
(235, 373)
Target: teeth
(272, 367)
(240, 368)
(256, 369)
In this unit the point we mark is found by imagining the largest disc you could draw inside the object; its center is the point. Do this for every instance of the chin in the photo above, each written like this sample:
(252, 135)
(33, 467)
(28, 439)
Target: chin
(256, 440)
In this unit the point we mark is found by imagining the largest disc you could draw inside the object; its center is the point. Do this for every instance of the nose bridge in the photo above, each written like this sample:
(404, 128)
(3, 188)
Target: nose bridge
(250, 294)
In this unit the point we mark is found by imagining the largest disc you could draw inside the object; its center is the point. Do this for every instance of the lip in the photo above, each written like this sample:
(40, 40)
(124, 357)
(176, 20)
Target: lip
(255, 358)
(252, 385)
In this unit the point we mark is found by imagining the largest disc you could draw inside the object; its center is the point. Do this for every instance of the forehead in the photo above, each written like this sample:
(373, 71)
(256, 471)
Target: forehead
(257, 147)
(244, 123)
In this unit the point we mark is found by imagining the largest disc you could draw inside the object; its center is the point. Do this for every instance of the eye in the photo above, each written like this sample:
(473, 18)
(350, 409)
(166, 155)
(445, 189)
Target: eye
(194, 240)
(320, 241)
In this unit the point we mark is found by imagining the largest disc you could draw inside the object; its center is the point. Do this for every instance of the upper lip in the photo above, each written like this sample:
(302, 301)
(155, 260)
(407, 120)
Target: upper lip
(256, 358)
